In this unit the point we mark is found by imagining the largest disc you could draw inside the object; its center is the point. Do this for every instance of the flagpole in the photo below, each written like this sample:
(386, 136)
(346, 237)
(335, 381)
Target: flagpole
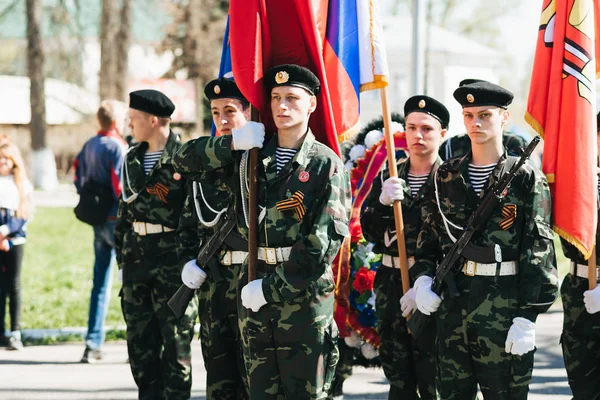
(253, 206)
(391, 159)
(592, 277)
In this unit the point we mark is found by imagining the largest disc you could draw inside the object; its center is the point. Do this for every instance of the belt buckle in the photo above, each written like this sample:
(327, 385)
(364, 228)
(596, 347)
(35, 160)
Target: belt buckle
(470, 268)
(226, 258)
(269, 255)
(141, 228)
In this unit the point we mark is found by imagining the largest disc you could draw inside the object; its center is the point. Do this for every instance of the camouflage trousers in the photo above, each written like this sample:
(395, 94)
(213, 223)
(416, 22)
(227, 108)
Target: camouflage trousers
(219, 337)
(290, 349)
(158, 343)
(472, 330)
(580, 340)
(343, 369)
(408, 365)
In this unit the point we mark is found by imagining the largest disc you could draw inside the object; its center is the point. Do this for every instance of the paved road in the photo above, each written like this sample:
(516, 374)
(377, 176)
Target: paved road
(53, 372)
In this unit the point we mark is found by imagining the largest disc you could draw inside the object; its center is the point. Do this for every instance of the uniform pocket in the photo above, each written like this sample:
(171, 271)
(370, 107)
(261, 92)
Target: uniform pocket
(544, 229)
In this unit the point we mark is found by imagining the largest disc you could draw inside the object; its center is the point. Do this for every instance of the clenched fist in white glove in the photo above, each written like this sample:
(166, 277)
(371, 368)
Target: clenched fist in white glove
(521, 337)
(192, 275)
(591, 299)
(408, 303)
(252, 295)
(427, 301)
(392, 190)
(249, 136)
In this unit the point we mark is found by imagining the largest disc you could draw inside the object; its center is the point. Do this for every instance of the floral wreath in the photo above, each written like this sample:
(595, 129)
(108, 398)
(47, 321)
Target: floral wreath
(356, 263)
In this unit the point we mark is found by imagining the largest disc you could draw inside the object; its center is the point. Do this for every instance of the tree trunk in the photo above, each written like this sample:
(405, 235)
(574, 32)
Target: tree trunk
(108, 59)
(43, 169)
(123, 43)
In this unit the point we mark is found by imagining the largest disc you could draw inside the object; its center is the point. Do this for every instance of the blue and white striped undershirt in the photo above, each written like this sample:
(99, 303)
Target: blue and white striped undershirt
(479, 174)
(283, 156)
(415, 182)
(150, 159)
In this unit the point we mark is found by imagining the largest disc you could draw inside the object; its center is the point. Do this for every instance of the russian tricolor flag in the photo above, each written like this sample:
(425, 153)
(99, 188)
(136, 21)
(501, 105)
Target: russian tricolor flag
(339, 40)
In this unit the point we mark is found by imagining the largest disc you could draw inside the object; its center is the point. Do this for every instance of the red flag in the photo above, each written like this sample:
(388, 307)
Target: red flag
(266, 33)
(561, 108)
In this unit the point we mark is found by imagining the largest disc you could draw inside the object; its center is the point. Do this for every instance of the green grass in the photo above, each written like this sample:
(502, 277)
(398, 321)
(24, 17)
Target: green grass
(56, 278)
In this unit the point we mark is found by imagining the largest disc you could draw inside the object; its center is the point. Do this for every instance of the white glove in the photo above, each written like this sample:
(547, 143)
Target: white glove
(120, 275)
(392, 190)
(192, 275)
(521, 337)
(591, 299)
(251, 135)
(408, 304)
(427, 301)
(252, 295)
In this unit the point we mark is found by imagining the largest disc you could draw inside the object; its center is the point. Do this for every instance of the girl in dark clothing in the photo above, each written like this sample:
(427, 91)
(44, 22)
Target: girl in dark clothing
(15, 209)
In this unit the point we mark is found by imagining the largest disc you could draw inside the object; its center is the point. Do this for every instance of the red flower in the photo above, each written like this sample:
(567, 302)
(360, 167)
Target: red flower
(363, 280)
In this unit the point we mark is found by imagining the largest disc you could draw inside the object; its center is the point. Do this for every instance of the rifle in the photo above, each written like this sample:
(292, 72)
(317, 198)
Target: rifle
(450, 265)
(180, 300)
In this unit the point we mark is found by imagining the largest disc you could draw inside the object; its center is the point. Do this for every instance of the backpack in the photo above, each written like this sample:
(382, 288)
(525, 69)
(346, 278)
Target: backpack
(95, 202)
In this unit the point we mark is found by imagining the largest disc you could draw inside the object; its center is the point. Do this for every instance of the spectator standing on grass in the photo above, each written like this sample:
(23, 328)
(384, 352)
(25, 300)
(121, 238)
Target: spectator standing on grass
(15, 209)
(99, 163)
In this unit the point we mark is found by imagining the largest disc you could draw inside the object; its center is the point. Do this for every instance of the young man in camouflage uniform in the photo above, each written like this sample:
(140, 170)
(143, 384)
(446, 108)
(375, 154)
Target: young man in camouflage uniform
(289, 338)
(158, 343)
(202, 213)
(486, 336)
(408, 365)
(580, 338)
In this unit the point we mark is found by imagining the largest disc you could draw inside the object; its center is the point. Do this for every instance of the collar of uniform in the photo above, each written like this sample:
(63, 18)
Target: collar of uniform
(303, 152)
(404, 167)
(169, 150)
(301, 156)
(456, 164)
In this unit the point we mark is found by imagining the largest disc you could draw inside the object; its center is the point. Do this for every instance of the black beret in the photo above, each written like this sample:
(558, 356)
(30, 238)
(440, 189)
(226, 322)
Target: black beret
(483, 93)
(428, 105)
(469, 81)
(223, 88)
(151, 101)
(293, 75)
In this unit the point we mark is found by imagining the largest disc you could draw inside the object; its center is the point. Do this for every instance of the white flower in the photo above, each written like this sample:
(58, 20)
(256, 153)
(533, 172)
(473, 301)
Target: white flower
(396, 127)
(353, 340)
(357, 151)
(372, 138)
(369, 351)
(349, 165)
(371, 300)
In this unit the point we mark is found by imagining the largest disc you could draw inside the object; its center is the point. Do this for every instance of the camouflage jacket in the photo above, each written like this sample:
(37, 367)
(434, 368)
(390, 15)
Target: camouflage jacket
(377, 220)
(209, 191)
(571, 251)
(314, 219)
(520, 226)
(160, 197)
(459, 145)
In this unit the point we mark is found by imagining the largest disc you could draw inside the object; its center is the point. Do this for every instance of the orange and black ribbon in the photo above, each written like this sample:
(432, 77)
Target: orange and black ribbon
(159, 190)
(509, 214)
(293, 203)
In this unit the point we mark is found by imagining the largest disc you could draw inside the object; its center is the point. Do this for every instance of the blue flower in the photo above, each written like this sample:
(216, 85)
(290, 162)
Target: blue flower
(367, 317)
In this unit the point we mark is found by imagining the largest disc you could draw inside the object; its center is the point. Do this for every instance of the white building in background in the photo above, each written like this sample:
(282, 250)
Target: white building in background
(451, 58)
